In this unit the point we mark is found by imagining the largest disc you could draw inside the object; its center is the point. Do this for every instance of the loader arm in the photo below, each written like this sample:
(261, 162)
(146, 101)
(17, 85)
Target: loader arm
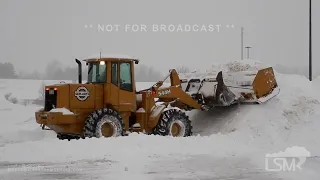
(173, 93)
(174, 80)
(178, 96)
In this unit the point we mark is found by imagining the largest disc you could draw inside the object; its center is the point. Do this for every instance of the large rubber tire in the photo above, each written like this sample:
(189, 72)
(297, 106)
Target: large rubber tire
(173, 118)
(105, 117)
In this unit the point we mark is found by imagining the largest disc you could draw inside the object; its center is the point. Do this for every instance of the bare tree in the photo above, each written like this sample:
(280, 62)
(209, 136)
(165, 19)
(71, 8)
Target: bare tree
(42, 90)
(41, 98)
(182, 69)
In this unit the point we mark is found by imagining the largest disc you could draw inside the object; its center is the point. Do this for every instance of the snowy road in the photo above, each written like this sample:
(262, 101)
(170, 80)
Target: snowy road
(201, 167)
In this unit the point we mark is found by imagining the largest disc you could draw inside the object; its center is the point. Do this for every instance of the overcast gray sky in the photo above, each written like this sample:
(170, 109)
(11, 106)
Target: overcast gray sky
(34, 32)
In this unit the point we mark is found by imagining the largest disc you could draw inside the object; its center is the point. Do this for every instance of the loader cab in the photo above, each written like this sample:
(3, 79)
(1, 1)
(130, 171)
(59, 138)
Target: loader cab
(116, 77)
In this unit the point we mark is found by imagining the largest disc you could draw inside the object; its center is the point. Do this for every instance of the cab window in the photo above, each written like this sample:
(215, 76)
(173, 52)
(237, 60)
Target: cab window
(97, 73)
(125, 76)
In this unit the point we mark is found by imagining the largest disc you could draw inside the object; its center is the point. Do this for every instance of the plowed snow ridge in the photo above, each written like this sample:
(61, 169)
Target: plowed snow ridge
(284, 118)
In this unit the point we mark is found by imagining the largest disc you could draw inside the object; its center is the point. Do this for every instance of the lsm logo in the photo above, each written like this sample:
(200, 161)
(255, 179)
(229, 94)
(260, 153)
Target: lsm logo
(289, 160)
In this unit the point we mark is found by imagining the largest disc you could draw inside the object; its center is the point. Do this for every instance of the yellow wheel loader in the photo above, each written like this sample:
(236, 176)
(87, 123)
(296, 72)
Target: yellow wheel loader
(108, 105)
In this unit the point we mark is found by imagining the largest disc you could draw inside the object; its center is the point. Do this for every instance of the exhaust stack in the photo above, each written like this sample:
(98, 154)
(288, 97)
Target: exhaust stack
(79, 71)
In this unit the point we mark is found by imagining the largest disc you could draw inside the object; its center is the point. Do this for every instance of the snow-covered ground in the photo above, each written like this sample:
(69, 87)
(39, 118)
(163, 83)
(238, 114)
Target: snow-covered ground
(228, 143)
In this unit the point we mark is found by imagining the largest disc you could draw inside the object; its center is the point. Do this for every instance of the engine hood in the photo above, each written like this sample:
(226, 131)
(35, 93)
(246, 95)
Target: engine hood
(75, 96)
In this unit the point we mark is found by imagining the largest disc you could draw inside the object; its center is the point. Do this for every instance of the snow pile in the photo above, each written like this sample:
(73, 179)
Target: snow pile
(141, 110)
(299, 99)
(238, 66)
(276, 123)
(64, 111)
(233, 72)
(238, 73)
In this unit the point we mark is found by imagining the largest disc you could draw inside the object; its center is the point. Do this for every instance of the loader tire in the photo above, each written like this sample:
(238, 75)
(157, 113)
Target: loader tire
(104, 122)
(173, 122)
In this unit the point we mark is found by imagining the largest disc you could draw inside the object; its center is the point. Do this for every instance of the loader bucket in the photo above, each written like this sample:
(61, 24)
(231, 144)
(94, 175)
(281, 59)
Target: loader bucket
(265, 85)
(229, 88)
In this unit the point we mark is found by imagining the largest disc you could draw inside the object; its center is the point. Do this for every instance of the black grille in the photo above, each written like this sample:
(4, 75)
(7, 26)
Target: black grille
(50, 99)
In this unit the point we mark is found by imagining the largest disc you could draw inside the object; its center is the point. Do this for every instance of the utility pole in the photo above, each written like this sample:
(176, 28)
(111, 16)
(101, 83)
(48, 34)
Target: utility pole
(248, 51)
(242, 43)
(310, 42)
